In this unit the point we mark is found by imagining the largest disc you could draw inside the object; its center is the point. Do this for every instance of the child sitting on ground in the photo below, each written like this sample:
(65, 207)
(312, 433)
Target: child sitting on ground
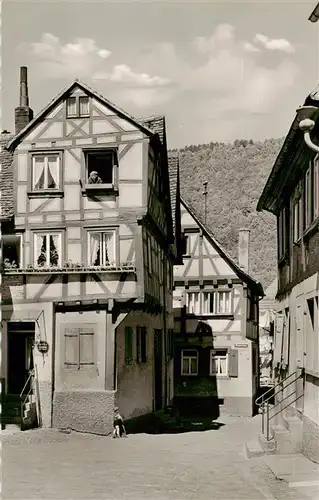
(118, 424)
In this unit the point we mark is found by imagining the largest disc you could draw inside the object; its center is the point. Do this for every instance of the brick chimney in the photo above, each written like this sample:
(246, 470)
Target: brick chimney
(23, 113)
(243, 249)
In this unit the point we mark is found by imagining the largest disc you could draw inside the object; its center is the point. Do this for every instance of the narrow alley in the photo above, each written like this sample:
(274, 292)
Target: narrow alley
(44, 464)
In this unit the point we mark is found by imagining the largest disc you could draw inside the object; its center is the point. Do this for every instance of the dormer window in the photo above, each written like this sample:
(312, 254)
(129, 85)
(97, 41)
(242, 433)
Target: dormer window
(77, 107)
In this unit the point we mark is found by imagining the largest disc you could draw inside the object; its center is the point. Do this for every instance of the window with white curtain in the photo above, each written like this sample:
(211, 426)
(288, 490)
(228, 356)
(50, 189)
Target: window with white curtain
(48, 249)
(45, 171)
(219, 362)
(218, 302)
(189, 362)
(101, 248)
(193, 305)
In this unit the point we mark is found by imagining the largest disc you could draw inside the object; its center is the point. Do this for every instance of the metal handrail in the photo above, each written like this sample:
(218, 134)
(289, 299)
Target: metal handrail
(27, 381)
(272, 389)
(264, 403)
(23, 401)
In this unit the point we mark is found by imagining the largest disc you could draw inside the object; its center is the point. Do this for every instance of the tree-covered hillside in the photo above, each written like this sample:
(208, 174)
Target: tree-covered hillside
(236, 175)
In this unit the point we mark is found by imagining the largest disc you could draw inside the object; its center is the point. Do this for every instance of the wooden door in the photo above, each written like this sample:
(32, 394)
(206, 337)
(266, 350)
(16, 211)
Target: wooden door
(158, 369)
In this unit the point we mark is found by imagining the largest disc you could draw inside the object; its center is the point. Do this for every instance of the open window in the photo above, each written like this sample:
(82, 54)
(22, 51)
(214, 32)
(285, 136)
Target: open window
(100, 169)
(12, 251)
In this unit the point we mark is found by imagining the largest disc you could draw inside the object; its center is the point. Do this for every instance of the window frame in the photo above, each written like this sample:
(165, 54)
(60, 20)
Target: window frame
(215, 292)
(21, 260)
(103, 230)
(78, 113)
(46, 191)
(104, 186)
(190, 358)
(47, 233)
(298, 218)
(214, 355)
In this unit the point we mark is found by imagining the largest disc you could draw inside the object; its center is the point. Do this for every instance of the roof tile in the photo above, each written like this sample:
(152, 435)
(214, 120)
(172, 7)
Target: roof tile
(6, 179)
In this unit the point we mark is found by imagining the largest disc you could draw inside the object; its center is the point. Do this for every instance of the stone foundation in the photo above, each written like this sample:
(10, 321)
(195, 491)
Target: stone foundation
(310, 439)
(84, 411)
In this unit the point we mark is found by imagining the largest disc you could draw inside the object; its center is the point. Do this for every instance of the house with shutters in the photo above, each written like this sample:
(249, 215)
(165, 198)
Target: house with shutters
(88, 248)
(216, 310)
(291, 193)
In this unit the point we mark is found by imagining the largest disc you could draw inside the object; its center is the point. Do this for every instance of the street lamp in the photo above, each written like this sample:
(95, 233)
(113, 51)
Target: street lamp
(314, 16)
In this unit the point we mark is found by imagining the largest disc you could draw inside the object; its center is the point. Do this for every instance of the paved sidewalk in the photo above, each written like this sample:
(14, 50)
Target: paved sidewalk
(47, 464)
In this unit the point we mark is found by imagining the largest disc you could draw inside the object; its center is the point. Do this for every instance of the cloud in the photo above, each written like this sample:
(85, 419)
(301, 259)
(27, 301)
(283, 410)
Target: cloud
(279, 44)
(124, 74)
(76, 59)
(249, 47)
(207, 80)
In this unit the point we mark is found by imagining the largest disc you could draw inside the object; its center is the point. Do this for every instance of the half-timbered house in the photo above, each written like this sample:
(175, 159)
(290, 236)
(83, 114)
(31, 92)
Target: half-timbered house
(87, 288)
(216, 324)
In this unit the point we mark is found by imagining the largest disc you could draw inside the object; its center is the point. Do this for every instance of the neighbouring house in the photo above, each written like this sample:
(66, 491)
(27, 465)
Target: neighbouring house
(88, 248)
(292, 195)
(216, 303)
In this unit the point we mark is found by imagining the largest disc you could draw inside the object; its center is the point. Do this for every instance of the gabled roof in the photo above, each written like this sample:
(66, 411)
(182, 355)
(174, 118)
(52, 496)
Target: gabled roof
(173, 170)
(142, 125)
(279, 175)
(223, 253)
(6, 179)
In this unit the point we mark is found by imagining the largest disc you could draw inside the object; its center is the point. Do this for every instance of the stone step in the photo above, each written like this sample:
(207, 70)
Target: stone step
(268, 446)
(253, 449)
(286, 443)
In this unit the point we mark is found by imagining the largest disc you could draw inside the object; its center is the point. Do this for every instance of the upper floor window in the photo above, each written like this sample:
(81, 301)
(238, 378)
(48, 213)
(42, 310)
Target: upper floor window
(185, 244)
(101, 248)
(100, 167)
(77, 107)
(311, 192)
(193, 303)
(47, 249)
(283, 232)
(218, 302)
(297, 219)
(46, 171)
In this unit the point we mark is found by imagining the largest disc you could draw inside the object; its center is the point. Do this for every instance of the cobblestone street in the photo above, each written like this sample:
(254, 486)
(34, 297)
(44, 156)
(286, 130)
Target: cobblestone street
(47, 464)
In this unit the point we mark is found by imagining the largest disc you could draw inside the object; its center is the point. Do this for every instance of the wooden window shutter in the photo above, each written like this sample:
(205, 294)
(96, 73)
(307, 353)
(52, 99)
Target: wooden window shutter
(279, 321)
(71, 347)
(128, 345)
(286, 338)
(138, 344)
(86, 346)
(143, 344)
(233, 363)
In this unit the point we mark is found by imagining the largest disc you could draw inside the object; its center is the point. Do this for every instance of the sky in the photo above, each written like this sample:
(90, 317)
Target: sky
(218, 70)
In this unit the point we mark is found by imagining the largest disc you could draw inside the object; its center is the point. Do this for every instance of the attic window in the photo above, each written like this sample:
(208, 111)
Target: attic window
(100, 168)
(77, 107)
